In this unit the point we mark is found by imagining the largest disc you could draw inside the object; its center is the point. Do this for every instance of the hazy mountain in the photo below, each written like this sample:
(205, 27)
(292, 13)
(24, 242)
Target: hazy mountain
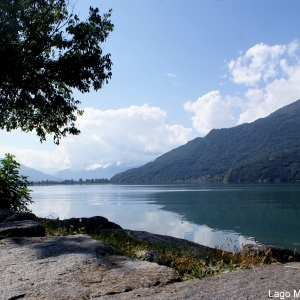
(99, 173)
(68, 174)
(35, 175)
(223, 150)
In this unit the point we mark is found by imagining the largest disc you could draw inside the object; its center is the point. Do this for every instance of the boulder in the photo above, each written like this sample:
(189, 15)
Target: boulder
(21, 228)
(72, 267)
(279, 253)
(21, 216)
(15, 223)
(4, 213)
(89, 225)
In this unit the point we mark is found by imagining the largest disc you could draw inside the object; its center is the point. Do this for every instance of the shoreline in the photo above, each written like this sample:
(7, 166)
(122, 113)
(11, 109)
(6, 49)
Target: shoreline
(93, 258)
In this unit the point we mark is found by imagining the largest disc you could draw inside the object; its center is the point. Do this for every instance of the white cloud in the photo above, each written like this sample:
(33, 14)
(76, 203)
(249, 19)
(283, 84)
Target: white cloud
(124, 137)
(292, 48)
(130, 136)
(94, 167)
(281, 91)
(273, 96)
(39, 159)
(254, 95)
(211, 111)
(177, 83)
(171, 75)
(271, 76)
(259, 62)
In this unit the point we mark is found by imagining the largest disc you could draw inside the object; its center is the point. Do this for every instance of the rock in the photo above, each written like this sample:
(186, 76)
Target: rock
(167, 241)
(279, 253)
(21, 228)
(4, 213)
(90, 225)
(261, 282)
(72, 267)
(148, 255)
(21, 216)
(34, 228)
(14, 223)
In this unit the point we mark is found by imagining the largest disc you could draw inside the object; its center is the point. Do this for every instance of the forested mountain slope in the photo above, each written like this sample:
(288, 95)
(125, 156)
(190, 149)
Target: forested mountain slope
(283, 166)
(222, 150)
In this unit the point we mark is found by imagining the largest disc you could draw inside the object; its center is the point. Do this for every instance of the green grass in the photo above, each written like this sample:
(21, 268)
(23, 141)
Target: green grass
(52, 229)
(187, 262)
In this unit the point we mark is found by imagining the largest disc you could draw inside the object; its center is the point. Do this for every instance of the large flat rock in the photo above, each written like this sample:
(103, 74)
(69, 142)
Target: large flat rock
(72, 267)
(261, 282)
(21, 228)
(78, 267)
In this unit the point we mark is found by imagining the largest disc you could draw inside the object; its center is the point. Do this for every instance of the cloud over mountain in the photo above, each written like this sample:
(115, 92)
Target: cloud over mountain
(127, 136)
(269, 77)
(211, 111)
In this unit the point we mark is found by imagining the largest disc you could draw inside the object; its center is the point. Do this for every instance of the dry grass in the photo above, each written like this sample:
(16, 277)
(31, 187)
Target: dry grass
(187, 262)
(52, 229)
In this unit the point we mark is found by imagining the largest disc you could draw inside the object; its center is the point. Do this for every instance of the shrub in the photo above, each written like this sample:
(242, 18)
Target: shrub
(14, 192)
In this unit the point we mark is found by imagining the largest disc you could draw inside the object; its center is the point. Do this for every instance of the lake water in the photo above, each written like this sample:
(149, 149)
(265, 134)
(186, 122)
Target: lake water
(222, 215)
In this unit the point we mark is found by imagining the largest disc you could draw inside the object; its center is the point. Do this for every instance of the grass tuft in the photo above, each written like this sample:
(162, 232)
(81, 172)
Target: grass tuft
(187, 262)
(53, 230)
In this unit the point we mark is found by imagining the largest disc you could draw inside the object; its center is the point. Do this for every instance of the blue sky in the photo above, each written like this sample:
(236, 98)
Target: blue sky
(180, 68)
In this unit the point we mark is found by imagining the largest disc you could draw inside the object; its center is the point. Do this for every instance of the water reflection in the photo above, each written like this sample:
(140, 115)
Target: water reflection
(212, 215)
(138, 207)
(267, 212)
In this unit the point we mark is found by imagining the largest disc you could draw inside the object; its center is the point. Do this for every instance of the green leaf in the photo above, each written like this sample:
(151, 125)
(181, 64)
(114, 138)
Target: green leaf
(45, 53)
(14, 192)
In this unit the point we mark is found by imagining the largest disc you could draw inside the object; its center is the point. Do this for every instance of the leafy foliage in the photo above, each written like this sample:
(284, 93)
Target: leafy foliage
(45, 52)
(222, 150)
(14, 192)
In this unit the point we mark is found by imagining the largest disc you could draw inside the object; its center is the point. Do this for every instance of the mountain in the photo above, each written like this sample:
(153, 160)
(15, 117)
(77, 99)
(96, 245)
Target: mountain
(223, 150)
(283, 166)
(108, 172)
(35, 175)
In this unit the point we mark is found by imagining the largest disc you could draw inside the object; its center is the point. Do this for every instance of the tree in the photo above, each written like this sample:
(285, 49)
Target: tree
(45, 52)
(14, 192)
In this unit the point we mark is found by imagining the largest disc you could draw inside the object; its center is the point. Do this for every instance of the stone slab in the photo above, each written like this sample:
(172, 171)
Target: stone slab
(257, 283)
(72, 267)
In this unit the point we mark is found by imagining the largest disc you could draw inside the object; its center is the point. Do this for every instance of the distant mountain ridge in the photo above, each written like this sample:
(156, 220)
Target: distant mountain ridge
(223, 150)
(68, 174)
(99, 173)
(35, 175)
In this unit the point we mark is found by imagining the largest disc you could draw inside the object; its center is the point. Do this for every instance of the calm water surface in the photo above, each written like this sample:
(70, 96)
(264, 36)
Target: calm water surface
(222, 215)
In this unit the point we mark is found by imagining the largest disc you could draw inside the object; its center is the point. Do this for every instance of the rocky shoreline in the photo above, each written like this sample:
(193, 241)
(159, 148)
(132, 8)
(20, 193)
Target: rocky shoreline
(33, 265)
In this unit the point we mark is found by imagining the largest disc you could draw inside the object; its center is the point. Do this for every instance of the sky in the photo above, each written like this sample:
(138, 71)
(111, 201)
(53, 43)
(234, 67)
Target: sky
(180, 69)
